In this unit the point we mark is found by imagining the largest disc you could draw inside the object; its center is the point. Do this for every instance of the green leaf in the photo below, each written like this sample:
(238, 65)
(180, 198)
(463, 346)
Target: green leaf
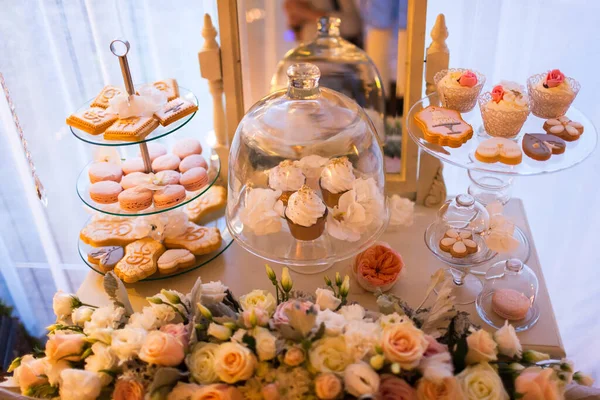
(43, 391)
(250, 342)
(165, 377)
(14, 364)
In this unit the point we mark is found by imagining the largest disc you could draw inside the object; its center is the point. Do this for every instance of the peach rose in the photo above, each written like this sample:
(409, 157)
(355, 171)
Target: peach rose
(65, 346)
(379, 265)
(554, 78)
(535, 383)
(468, 79)
(404, 344)
(445, 389)
(128, 389)
(497, 93)
(482, 347)
(328, 386)
(394, 388)
(162, 349)
(217, 391)
(294, 356)
(270, 392)
(31, 372)
(234, 362)
(183, 391)
(434, 347)
(178, 331)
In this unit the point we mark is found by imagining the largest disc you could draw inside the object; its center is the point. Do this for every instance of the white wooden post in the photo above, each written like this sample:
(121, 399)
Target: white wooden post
(210, 69)
(438, 54)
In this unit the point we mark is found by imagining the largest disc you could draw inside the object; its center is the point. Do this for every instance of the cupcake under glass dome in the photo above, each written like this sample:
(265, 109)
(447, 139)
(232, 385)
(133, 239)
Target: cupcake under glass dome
(306, 181)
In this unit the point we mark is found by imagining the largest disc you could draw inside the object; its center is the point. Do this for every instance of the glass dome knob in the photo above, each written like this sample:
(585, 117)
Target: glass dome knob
(514, 265)
(329, 26)
(465, 200)
(303, 81)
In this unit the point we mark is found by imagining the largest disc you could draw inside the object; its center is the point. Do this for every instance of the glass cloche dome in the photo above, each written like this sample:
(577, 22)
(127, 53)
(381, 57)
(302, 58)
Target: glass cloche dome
(344, 67)
(306, 181)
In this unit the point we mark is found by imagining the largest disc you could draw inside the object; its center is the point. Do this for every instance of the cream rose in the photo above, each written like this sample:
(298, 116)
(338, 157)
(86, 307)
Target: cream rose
(328, 386)
(81, 315)
(178, 331)
(330, 354)
(201, 362)
(162, 349)
(63, 304)
(217, 391)
(128, 389)
(127, 342)
(508, 342)
(294, 356)
(183, 391)
(65, 346)
(481, 381)
(259, 298)
(482, 347)
(445, 389)
(362, 337)
(102, 359)
(30, 373)
(404, 344)
(234, 362)
(53, 370)
(326, 299)
(78, 384)
(266, 344)
(360, 379)
(535, 383)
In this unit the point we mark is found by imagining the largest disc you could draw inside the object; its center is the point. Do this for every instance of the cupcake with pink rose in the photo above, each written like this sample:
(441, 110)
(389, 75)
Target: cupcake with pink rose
(551, 93)
(458, 88)
(504, 110)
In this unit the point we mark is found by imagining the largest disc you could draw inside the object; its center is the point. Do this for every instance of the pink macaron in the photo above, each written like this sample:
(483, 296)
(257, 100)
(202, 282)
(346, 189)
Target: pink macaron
(105, 171)
(168, 161)
(510, 304)
(194, 179)
(167, 177)
(187, 147)
(134, 179)
(135, 199)
(192, 161)
(105, 192)
(170, 196)
(135, 164)
(155, 150)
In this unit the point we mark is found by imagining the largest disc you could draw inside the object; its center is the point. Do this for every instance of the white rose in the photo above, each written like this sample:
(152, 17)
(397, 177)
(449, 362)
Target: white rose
(103, 359)
(213, 292)
(360, 379)
(508, 342)
(353, 312)
(437, 366)
(145, 319)
(481, 381)
(326, 299)
(402, 211)
(334, 322)
(221, 332)
(362, 337)
(201, 362)
(259, 298)
(81, 315)
(104, 320)
(330, 354)
(164, 315)
(63, 303)
(79, 385)
(127, 342)
(266, 344)
(482, 347)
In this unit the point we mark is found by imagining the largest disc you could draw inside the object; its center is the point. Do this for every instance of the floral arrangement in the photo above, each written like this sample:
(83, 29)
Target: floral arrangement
(209, 345)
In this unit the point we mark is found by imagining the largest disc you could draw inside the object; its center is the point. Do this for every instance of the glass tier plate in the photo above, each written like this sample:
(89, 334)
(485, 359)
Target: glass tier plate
(463, 156)
(216, 219)
(159, 132)
(83, 191)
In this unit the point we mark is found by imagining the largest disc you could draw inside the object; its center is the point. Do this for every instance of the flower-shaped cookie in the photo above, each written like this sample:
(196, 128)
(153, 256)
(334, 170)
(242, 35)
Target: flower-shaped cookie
(458, 243)
(564, 128)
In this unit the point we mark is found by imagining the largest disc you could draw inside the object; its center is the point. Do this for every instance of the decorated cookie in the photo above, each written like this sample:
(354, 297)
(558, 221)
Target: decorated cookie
(213, 199)
(499, 150)
(510, 304)
(93, 120)
(106, 257)
(540, 146)
(443, 126)
(174, 110)
(168, 87)
(113, 232)
(140, 260)
(175, 259)
(107, 93)
(458, 243)
(131, 129)
(564, 128)
(197, 239)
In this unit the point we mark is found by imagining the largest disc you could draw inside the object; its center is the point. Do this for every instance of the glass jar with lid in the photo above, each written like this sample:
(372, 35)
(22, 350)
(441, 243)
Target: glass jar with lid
(306, 181)
(344, 67)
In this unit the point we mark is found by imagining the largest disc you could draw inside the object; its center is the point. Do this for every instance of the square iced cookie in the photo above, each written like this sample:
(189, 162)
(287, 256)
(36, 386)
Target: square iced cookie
(93, 120)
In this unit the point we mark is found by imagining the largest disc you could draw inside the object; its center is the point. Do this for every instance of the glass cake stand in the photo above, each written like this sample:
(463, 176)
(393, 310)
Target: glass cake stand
(83, 191)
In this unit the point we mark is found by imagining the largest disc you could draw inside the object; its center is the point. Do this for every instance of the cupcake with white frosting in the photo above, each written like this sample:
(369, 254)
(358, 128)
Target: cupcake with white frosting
(286, 177)
(311, 168)
(306, 214)
(336, 179)
(504, 110)
(458, 88)
(551, 93)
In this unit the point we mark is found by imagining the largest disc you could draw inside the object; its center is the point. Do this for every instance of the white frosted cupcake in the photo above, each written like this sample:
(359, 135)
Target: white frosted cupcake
(551, 93)
(504, 110)
(286, 177)
(336, 179)
(458, 88)
(311, 168)
(306, 214)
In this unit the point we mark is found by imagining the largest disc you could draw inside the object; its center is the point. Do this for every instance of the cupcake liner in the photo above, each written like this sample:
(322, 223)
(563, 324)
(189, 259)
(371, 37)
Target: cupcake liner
(308, 233)
(461, 99)
(501, 123)
(546, 104)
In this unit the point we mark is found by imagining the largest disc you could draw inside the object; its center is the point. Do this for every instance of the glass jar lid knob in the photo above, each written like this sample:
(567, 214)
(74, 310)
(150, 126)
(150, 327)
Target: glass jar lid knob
(465, 200)
(303, 81)
(329, 26)
(514, 265)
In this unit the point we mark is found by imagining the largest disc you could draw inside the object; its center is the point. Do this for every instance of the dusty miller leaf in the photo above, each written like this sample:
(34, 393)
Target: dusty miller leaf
(164, 377)
(115, 289)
